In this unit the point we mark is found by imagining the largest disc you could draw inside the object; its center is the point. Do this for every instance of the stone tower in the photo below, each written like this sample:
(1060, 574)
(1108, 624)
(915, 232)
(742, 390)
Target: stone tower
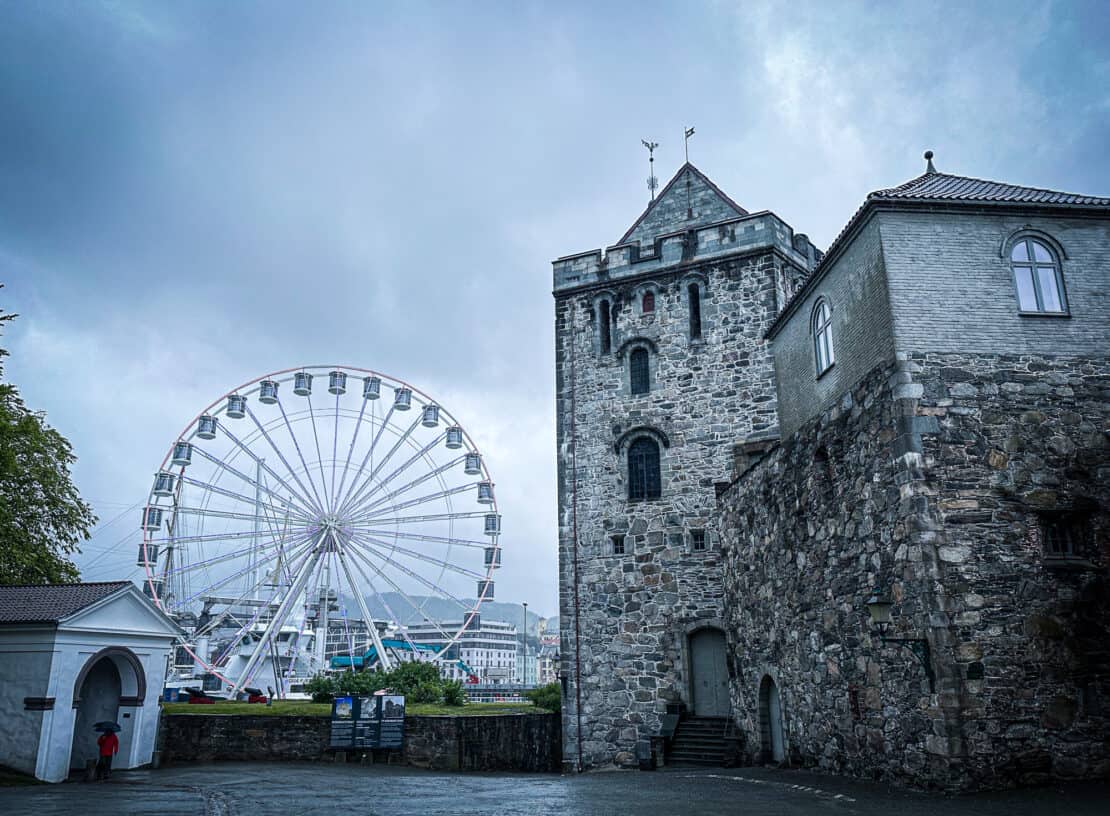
(661, 365)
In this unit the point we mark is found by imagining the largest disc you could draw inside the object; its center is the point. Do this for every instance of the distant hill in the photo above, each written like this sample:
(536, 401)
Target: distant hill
(439, 609)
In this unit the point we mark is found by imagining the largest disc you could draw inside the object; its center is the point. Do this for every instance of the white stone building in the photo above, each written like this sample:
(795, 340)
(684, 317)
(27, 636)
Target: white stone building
(489, 649)
(72, 655)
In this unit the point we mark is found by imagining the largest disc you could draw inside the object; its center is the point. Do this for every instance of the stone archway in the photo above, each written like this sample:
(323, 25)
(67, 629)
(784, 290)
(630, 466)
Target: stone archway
(770, 721)
(110, 686)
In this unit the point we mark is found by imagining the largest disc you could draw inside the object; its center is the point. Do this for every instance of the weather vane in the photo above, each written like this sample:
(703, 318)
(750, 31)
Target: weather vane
(689, 133)
(652, 181)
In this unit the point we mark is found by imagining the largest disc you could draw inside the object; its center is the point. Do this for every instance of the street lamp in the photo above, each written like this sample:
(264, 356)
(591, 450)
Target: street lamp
(878, 607)
(524, 648)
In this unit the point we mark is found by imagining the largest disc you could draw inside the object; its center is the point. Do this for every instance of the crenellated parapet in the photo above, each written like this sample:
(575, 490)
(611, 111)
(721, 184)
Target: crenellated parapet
(756, 232)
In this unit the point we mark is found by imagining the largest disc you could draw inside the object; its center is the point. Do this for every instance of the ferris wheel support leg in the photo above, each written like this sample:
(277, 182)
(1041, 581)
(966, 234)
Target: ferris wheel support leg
(383, 658)
(278, 619)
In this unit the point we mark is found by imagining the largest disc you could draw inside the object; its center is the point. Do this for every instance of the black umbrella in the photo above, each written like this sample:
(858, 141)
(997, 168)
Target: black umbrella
(107, 725)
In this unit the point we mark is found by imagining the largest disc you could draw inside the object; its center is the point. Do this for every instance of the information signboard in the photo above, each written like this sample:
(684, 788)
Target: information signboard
(342, 722)
(368, 722)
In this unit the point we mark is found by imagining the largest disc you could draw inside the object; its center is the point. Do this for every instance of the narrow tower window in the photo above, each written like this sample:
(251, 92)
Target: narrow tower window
(603, 320)
(648, 302)
(822, 336)
(638, 374)
(643, 470)
(694, 295)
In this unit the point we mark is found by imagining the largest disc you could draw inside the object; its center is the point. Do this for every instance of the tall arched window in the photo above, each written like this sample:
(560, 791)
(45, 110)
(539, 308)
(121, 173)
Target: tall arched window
(643, 470)
(693, 294)
(822, 336)
(639, 375)
(604, 327)
(1037, 275)
(648, 302)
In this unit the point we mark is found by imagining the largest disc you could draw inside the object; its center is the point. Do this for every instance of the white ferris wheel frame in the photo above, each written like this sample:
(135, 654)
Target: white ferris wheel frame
(308, 553)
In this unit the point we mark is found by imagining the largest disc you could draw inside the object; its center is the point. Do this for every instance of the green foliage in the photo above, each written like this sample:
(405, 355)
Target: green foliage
(453, 694)
(322, 688)
(426, 693)
(409, 676)
(42, 516)
(549, 697)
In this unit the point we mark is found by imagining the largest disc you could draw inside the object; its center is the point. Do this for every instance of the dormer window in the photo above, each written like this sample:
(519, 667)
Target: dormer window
(647, 305)
(1038, 278)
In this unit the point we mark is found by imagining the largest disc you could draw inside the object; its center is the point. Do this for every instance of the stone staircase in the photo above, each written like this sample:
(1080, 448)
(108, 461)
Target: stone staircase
(698, 741)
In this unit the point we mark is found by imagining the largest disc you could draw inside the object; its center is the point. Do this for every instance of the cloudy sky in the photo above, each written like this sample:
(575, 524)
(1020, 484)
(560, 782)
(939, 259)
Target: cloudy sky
(194, 194)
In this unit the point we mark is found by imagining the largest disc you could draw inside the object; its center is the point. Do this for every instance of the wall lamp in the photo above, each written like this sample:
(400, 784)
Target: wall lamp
(878, 606)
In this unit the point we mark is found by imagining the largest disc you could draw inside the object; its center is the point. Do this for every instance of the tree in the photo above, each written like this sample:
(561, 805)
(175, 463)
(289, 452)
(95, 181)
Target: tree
(42, 516)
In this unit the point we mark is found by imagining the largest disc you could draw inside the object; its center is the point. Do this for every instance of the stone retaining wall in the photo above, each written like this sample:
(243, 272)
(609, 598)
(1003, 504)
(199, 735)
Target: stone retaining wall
(514, 742)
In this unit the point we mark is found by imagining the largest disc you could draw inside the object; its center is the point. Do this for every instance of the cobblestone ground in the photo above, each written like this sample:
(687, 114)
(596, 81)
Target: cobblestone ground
(234, 789)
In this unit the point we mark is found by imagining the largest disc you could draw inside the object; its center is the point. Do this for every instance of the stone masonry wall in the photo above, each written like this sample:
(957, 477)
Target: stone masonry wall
(521, 742)
(636, 608)
(933, 478)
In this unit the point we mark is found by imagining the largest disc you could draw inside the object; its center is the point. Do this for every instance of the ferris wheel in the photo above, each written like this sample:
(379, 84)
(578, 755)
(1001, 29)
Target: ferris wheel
(286, 527)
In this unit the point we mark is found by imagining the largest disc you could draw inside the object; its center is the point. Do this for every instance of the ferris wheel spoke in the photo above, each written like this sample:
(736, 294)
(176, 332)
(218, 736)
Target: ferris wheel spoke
(334, 449)
(304, 495)
(367, 457)
(220, 559)
(319, 456)
(367, 618)
(304, 501)
(200, 538)
(388, 479)
(461, 542)
(371, 547)
(355, 559)
(381, 463)
(279, 616)
(207, 512)
(208, 590)
(431, 474)
(394, 547)
(300, 454)
(231, 494)
(418, 609)
(350, 448)
(423, 519)
(431, 497)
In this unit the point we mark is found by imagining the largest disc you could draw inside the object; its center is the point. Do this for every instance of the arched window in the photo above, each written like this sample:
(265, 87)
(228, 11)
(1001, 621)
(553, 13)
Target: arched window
(1037, 275)
(693, 293)
(648, 303)
(822, 336)
(638, 373)
(643, 470)
(604, 325)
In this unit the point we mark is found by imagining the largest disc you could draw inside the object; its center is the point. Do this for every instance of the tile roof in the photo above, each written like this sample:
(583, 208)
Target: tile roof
(50, 603)
(944, 187)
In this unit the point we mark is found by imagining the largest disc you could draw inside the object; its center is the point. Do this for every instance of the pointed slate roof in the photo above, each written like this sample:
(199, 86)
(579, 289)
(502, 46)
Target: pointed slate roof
(50, 603)
(667, 213)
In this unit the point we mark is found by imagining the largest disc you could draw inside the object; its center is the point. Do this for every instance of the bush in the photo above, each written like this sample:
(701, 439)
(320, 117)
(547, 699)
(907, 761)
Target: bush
(407, 678)
(453, 694)
(322, 688)
(425, 693)
(549, 697)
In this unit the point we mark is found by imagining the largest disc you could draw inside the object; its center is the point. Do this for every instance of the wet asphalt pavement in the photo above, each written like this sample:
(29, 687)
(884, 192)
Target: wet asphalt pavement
(257, 789)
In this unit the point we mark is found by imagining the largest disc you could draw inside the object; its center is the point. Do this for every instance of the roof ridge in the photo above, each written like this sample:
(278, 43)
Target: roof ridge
(52, 586)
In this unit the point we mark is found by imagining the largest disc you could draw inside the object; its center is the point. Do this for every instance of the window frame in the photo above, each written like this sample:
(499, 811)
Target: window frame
(605, 325)
(634, 355)
(647, 298)
(618, 544)
(641, 485)
(695, 535)
(1033, 266)
(820, 326)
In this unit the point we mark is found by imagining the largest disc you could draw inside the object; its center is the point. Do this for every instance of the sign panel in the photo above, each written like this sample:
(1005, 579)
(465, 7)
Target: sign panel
(368, 722)
(342, 723)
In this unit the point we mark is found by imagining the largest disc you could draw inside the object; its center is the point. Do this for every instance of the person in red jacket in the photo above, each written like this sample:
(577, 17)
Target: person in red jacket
(108, 743)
